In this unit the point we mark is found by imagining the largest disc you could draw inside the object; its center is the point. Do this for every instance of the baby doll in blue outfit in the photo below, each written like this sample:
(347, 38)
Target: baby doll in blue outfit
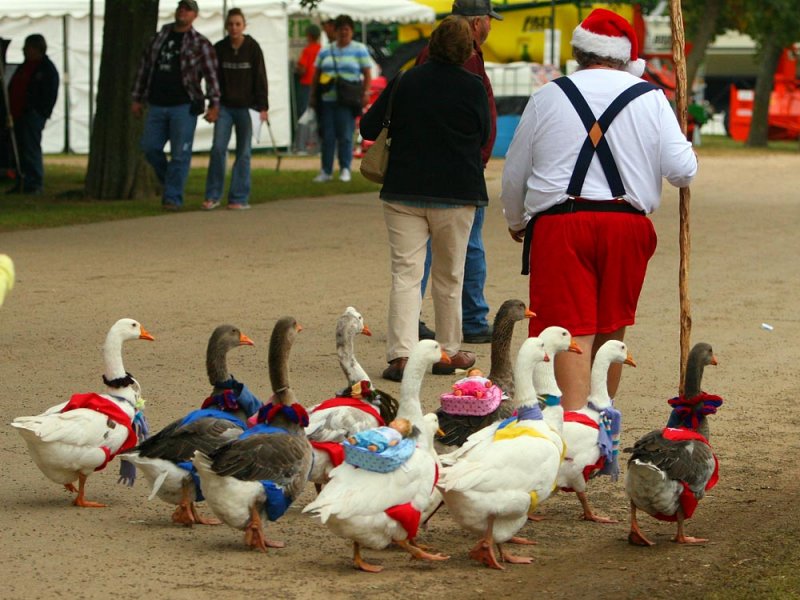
(379, 439)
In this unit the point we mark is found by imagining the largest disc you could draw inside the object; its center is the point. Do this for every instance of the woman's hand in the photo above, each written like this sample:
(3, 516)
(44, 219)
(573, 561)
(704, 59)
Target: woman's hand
(517, 236)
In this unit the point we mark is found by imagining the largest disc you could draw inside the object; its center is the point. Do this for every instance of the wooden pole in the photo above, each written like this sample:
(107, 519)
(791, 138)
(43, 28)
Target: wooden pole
(681, 103)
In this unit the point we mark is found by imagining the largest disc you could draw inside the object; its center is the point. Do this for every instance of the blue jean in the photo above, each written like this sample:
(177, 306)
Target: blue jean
(28, 131)
(337, 127)
(474, 308)
(239, 192)
(176, 125)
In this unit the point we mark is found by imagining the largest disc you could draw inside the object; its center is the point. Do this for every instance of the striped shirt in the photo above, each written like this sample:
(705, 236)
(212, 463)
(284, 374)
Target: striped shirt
(349, 62)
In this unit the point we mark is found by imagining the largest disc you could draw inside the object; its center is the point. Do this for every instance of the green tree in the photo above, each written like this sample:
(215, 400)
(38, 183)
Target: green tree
(117, 168)
(774, 25)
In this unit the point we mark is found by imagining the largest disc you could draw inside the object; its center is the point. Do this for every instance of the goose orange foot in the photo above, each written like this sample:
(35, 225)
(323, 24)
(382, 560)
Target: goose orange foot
(521, 541)
(254, 534)
(686, 539)
(362, 565)
(419, 553)
(183, 514)
(506, 556)
(70, 488)
(483, 552)
(81, 500)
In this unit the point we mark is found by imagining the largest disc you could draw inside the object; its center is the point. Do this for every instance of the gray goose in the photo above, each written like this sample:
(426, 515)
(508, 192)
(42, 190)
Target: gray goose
(259, 474)
(457, 428)
(164, 458)
(671, 469)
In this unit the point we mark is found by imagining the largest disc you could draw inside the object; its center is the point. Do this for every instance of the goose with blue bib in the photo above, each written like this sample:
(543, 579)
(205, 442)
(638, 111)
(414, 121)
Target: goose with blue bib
(257, 476)
(165, 458)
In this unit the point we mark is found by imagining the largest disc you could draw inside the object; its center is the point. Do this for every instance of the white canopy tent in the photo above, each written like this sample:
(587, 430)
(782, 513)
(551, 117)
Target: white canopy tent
(381, 11)
(65, 25)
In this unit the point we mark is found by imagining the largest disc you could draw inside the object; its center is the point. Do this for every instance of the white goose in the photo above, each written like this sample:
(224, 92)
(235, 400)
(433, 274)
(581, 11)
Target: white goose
(72, 440)
(590, 450)
(164, 457)
(504, 470)
(671, 469)
(354, 504)
(258, 475)
(358, 408)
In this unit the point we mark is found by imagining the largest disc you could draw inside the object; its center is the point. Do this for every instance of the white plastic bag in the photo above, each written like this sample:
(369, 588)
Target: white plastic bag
(308, 118)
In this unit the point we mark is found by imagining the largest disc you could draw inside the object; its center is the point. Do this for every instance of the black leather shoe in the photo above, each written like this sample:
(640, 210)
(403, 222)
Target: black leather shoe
(459, 360)
(425, 332)
(482, 337)
(394, 372)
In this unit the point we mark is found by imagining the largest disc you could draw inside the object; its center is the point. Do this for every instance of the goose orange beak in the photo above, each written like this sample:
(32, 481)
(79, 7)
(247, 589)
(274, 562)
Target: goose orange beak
(366, 331)
(440, 432)
(629, 360)
(546, 357)
(573, 347)
(714, 360)
(529, 314)
(244, 340)
(298, 327)
(445, 359)
(145, 335)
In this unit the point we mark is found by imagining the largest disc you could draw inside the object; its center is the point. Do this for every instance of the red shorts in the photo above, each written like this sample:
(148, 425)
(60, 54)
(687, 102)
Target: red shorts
(587, 270)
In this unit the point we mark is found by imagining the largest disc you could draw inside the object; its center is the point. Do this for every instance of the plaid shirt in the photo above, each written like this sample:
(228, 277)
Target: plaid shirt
(198, 61)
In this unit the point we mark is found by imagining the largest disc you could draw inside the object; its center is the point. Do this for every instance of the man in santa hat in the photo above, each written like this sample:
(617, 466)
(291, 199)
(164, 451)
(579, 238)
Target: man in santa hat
(584, 169)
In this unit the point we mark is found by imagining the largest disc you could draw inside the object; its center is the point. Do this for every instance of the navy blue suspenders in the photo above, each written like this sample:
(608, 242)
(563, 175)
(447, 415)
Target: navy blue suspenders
(595, 140)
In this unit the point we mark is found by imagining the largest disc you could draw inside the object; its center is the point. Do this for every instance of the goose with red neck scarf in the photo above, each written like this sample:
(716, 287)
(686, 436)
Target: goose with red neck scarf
(358, 407)
(73, 439)
(258, 475)
(503, 471)
(671, 469)
(592, 432)
(375, 509)
(165, 458)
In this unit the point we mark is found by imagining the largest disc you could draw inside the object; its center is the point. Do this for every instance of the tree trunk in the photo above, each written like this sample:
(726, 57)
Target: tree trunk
(117, 168)
(759, 127)
(702, 38)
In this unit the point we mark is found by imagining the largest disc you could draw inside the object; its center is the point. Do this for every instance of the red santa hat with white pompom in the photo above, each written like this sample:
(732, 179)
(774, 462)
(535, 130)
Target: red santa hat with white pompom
(607, 34)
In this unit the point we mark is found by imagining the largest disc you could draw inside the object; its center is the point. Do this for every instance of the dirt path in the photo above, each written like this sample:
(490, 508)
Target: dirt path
(181, 275)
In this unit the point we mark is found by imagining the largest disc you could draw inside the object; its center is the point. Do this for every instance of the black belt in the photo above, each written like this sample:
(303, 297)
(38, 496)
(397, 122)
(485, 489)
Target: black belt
(572, 205)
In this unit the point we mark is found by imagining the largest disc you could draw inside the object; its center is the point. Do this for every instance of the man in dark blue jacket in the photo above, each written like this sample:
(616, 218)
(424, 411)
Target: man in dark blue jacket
(32, 94)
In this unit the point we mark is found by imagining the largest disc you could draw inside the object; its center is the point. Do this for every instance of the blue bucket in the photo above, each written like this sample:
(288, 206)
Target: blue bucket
(506, 125)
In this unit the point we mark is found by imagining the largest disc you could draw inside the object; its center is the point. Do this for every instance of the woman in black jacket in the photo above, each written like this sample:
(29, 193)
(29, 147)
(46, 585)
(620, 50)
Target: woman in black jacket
(434, 181)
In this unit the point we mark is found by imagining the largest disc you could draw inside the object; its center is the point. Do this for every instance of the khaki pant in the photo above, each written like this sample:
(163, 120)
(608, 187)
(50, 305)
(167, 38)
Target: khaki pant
(409, 229)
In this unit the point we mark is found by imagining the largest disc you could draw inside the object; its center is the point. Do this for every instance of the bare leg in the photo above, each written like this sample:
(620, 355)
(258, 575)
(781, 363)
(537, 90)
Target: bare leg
(588, 515)
(81, 499)
(681, 537)
(615, 370)
(636, 537)
(360, 564)
(573, 373)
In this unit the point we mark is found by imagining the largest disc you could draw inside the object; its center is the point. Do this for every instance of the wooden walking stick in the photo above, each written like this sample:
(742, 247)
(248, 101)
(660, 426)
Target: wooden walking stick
(681, 104)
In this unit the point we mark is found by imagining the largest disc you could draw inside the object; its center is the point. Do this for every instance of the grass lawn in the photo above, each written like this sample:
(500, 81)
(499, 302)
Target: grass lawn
(63, 202)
